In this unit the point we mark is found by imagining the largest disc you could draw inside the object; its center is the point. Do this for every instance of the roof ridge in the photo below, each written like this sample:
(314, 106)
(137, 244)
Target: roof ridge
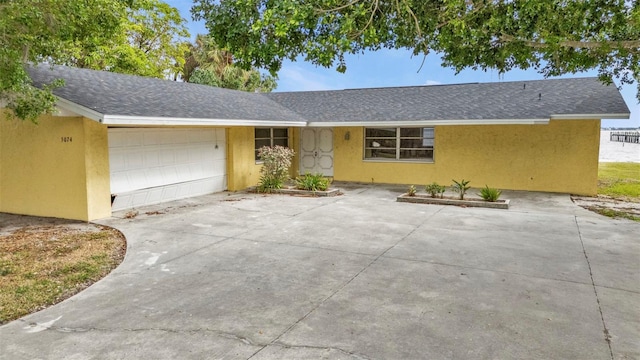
(435, 85)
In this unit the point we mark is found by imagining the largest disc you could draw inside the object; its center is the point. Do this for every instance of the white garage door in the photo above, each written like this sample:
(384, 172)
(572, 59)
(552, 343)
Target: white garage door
(150, 166)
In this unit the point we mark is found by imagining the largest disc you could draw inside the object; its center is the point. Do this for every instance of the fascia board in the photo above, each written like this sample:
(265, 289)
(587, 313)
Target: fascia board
(75, 108)
(428, 122)
(126, 120)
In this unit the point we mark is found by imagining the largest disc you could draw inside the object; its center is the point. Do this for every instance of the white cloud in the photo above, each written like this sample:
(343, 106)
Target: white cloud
(432, 82)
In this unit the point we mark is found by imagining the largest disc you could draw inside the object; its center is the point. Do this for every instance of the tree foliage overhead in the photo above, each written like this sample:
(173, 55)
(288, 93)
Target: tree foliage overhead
(151, 41)
(553, 37)
(142, 37)
(35, 31)
(208, 64)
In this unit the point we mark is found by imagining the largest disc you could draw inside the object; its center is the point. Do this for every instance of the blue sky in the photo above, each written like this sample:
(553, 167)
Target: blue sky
(387, 68)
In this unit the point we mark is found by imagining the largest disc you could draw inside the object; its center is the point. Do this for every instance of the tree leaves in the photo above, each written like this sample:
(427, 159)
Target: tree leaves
(142, 37)
(207, 64)
(550, 36)
(35, 31)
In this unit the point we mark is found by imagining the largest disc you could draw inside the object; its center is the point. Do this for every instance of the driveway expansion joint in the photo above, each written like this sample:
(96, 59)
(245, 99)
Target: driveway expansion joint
(607, 335)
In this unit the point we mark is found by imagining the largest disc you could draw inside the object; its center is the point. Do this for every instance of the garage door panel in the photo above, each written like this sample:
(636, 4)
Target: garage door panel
(153, 196)
(119, 182)
(116, 161)
(169, 192)
(166, 157)
(184, 173)
(181, 156)
(151, 158)
(135, 161)
(124, 139)
(149, 166)
(197, 171)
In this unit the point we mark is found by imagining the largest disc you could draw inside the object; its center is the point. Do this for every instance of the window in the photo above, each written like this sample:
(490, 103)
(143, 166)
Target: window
(271, 137)
(399, 144)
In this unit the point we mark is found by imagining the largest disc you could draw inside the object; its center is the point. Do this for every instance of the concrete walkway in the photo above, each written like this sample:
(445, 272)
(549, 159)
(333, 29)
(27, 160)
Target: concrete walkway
(359, 276)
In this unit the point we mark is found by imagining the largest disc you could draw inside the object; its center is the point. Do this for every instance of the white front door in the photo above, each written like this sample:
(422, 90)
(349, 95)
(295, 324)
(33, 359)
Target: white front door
(316, 151)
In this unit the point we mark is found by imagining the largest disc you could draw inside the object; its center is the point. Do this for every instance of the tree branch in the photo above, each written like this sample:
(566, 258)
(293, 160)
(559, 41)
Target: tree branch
(633, 45)
(339, 7)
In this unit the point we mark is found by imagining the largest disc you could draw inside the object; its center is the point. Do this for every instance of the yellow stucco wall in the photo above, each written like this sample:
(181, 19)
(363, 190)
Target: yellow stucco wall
(98, 184)
(559, 157)
(242, 169)
(294, 144)
(55, 168)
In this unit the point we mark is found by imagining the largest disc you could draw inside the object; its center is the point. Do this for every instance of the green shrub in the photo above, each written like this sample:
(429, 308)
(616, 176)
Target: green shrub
(412, 190)
(460, 187)
(490, 194)
(435, 190)
(275, 167)
(312, 182)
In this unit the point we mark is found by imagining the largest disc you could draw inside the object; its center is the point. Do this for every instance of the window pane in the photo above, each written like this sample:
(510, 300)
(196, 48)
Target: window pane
(380, 143)
(262, 133)
(375, 132)
(281, 133)
(380, 153)
(411, 132)
(427, 133)
(416, 154)
(262, 142)
(412, 143)
(281, 142)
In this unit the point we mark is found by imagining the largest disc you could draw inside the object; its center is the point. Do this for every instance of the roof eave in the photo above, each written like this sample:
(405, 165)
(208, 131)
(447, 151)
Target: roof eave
(428, 122)
(77, 109)
(127, 120)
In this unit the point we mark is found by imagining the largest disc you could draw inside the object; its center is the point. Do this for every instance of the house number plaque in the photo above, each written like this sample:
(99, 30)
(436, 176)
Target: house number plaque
(66, 139)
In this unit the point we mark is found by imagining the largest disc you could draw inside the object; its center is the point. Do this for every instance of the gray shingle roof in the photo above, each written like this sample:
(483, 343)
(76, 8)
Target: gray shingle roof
(539, 99)
(126, 95)
(117, 94)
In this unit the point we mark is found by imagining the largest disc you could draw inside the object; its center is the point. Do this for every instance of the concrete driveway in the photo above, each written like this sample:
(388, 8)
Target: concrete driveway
(359, 276)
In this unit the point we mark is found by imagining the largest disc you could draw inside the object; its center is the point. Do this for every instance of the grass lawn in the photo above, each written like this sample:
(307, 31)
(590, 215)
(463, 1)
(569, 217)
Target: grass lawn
(619, 180)
(43, 265)
(618, 191)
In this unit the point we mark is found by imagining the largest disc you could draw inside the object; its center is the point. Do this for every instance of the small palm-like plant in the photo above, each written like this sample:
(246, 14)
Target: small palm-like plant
(490, 194)
(461, 187)
(412, 190)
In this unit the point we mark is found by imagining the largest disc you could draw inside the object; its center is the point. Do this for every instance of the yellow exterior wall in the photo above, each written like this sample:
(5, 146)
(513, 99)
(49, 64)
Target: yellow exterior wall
(55, 168)
(559, 157)
(242, 169)
(294, 144)
(96, 145)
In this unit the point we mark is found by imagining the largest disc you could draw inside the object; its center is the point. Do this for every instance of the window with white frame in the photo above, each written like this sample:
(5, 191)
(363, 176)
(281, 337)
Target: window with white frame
(270, 137)
(399, 143)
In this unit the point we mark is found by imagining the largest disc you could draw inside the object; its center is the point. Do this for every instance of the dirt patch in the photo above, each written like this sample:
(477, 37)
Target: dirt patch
(44, 261)
(608, 206)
